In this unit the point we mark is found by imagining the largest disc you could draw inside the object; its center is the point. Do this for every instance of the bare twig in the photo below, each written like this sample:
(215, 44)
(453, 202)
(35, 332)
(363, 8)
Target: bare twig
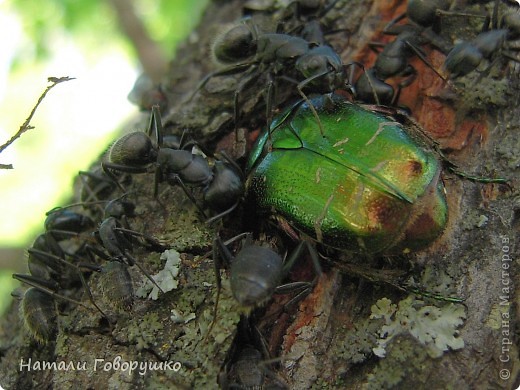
(26, 125)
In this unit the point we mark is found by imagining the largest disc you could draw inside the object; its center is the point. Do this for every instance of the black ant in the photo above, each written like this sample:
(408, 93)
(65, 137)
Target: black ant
(424, 13)
(48, 261)
(116, 285)
(393, 60)
(49, 266)
(278, 56)
(490, 44)
(116, 238)
(256, 272)
(38, 313)
(248, 365)
(139, 152)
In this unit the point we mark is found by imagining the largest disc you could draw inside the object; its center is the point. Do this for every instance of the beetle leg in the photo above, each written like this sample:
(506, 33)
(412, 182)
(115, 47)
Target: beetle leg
(301, 288)
(477, 179)
(295, 255)
(287, 228)
(269, 101)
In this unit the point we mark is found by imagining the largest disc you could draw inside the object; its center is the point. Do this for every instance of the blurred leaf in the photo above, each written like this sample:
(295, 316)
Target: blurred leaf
(93, 20)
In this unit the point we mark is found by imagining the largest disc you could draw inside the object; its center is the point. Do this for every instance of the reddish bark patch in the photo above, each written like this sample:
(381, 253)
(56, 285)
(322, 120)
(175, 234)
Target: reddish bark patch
(307, 310)
(427, 95)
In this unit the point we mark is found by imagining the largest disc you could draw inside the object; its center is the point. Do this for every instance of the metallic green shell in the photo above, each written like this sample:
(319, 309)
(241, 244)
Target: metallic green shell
(363, 185)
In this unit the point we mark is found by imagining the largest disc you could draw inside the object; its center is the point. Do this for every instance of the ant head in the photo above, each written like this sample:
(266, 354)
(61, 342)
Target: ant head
(322, 68)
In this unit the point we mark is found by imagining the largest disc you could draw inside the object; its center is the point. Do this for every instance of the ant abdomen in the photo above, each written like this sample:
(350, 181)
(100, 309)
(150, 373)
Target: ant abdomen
(38, 313)
(133, 149)
(235, 45)
(117, 286)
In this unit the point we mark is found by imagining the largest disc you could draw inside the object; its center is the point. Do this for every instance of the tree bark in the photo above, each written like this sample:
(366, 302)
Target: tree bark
(149, 53)
(331, 338)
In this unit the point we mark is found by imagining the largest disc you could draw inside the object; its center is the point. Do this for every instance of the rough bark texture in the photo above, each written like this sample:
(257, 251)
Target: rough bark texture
(328, 341)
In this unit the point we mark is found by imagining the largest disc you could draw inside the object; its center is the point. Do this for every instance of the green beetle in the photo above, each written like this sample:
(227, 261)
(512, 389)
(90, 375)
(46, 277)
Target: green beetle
(365, 184)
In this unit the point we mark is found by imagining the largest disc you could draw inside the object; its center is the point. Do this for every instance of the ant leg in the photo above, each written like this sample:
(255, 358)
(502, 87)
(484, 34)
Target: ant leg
(226, 189)
(370, 89)
(223, 72)
(78, 271)
(179, 181)
(106, 168)
(219, 247)
(157, 178)
(109, 166)
(209, 221)
(230, 161)
(403, 84)
(375, 45)
(300, 87)
(295, 255)
(155, 126)
(125, 255)
(40, 285)
(248, 78)
(441, 12)
(494, 19)
(84, 204)
(388, 28)
(423, 58)
(97, 185)
(92, 193)
(145, 272)
(154, 243)
(269, 102)
(89, 293)
(93, 251)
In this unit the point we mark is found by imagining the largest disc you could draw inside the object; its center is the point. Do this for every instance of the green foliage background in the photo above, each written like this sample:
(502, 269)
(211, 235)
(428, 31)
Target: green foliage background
(93, 21)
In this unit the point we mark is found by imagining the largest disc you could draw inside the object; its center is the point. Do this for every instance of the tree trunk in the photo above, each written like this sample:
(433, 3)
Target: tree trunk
(336, 336)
